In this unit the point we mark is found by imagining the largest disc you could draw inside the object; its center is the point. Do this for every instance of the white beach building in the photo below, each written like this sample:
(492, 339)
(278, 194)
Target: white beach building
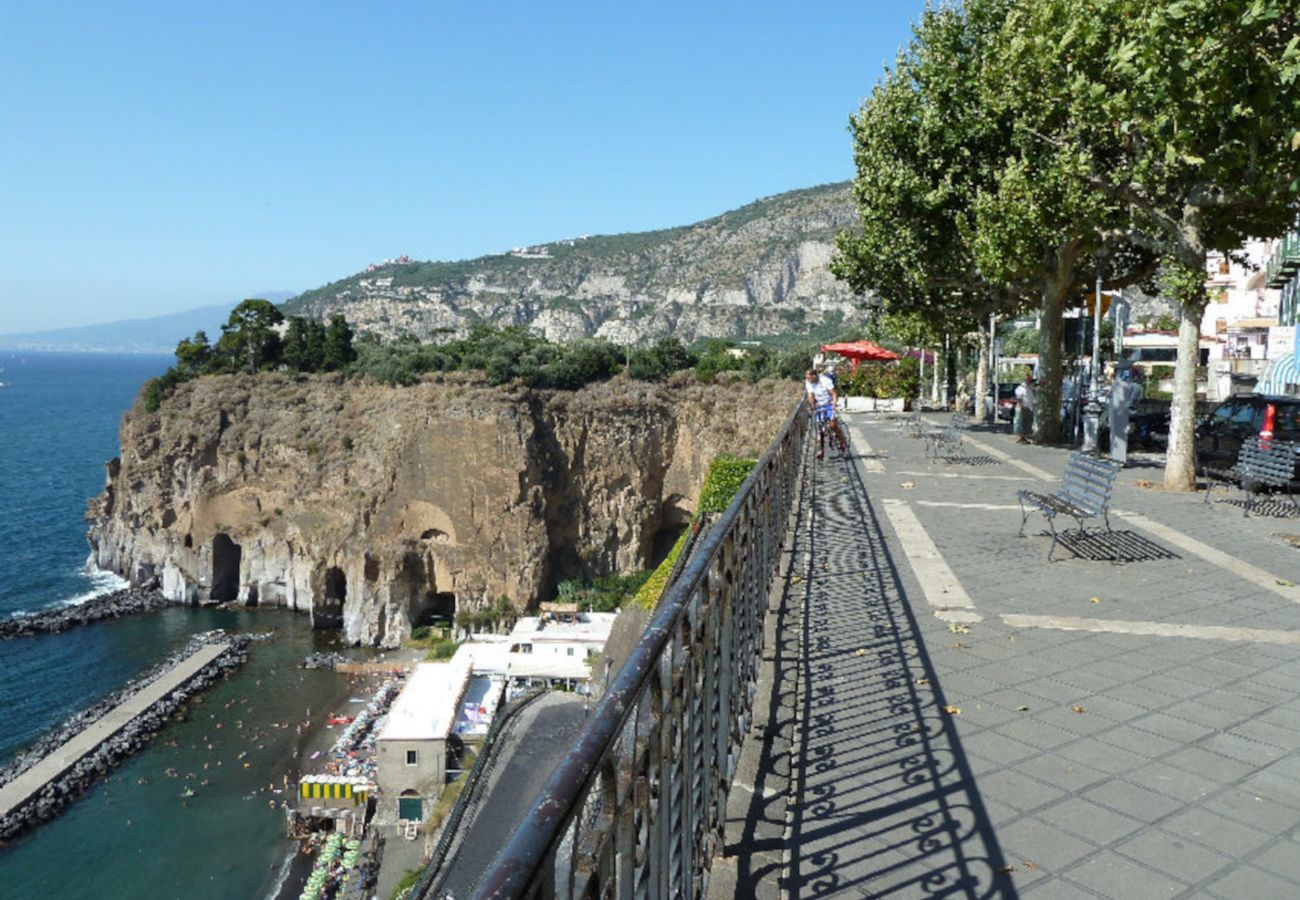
(411, 751)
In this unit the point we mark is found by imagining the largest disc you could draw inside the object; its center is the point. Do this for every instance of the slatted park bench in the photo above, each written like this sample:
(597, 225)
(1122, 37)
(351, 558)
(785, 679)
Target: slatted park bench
(1084, 494)
(1261, 465)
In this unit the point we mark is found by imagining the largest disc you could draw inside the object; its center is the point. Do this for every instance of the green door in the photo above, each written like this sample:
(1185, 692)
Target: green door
(410, 808)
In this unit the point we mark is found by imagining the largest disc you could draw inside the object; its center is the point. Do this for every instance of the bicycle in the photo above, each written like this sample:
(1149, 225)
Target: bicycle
(827, 421)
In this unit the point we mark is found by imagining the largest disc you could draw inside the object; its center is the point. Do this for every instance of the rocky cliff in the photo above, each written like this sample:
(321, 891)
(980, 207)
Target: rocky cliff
(374, 508)
(758, 270)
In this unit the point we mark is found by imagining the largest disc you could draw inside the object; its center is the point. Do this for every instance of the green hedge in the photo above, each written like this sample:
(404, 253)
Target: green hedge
(884, 380)
(653, 589)
(725, 476)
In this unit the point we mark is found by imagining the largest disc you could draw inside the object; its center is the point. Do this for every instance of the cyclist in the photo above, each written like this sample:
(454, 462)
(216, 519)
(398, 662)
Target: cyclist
(822, 398)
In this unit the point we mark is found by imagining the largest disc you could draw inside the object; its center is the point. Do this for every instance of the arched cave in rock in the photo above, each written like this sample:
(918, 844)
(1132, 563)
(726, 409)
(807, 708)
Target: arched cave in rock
(226, 556)
(674, 518)
(437, 609)
(336, 585)
(412, 583)
(328, 612)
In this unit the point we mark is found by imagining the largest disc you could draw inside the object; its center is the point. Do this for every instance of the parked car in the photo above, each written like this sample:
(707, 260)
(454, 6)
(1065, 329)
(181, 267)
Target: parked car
(1219, 435)
(1006, 402)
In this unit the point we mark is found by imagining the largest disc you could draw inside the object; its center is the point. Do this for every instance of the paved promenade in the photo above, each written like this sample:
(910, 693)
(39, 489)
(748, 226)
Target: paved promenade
(67, 754)
(971, 720)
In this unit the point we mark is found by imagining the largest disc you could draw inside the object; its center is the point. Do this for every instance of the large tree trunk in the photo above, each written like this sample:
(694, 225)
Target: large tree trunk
(1180, 461)
(982, 374)
(1047, 412)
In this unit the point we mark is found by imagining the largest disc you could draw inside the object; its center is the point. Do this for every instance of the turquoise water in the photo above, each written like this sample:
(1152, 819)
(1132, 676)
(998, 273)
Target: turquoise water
(133, 834)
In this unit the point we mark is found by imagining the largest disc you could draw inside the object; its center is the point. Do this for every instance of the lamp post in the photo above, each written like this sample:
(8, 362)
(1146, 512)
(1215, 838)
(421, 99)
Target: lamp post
(993, 370)
(1092, 420)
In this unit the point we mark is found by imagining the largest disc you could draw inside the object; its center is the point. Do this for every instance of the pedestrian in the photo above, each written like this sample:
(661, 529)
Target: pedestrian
(1026, 397)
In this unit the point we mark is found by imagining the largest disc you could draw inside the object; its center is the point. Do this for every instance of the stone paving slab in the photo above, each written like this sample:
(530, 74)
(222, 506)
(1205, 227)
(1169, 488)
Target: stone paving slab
(1082, 763)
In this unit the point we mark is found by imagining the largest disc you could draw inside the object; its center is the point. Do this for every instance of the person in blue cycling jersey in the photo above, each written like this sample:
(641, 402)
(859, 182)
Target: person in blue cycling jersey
(822, 399)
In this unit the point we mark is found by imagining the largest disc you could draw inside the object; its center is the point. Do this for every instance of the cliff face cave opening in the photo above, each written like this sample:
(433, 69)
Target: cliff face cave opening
(336, 586)
(328, 613)
(674, 518)
(437, 609)
(413, 584)
(226, 556)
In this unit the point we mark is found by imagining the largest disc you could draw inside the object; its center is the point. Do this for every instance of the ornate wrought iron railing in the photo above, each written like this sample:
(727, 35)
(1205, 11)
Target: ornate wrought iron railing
(638, 806)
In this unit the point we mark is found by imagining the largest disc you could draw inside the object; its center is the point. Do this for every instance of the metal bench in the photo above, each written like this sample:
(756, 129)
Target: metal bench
(914, 423)
(946, 443)
(1260, 465)
(1084, 494)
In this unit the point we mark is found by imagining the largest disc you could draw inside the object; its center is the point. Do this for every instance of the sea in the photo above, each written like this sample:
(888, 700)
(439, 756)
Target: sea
(196, 814)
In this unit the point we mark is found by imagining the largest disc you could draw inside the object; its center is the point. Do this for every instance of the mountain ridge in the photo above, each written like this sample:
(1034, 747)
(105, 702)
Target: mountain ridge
(760, 269)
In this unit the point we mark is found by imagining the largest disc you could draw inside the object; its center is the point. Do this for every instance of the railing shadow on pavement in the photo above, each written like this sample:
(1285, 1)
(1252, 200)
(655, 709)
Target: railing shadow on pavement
(885, 801)
(755, 834)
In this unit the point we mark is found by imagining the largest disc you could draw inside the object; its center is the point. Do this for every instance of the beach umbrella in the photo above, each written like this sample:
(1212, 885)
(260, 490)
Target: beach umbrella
(858, 351)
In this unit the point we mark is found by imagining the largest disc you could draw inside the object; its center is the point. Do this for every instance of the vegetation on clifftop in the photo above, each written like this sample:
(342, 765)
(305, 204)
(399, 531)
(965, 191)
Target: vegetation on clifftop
(258, 338)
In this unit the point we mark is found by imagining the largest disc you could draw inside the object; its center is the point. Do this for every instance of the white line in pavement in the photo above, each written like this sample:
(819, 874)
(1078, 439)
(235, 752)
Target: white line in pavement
(942, 590)
(1214, 555)
(966, 475)
(1156, 629)
(1007, 457)
(865, 454)
(952, 505)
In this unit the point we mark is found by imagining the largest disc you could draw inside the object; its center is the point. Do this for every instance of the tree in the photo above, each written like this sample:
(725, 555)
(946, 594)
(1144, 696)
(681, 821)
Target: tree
(193, 355)
(1182, 113)
(1036, 221)
(338, 352)
(665, 357)
(923, 148)
(294, 351)
(314, 359)
(249, 339)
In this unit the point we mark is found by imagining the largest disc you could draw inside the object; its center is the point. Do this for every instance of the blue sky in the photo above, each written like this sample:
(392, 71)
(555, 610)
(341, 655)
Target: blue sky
(160, 157)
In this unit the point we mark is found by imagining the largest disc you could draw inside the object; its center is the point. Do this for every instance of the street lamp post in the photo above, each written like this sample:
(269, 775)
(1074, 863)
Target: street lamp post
(993, 370)
(1092, 420)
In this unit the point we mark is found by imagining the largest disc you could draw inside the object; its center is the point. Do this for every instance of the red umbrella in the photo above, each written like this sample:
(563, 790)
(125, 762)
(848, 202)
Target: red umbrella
(857, 351)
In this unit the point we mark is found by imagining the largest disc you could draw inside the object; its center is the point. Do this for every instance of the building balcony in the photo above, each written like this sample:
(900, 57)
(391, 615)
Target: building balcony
(1285, 261)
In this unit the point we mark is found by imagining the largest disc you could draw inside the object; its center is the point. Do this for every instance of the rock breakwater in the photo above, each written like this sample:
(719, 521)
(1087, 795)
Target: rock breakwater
(106, 606)
(60, 790)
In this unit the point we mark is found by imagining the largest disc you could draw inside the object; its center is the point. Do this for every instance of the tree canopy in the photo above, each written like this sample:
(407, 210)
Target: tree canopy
(1014, 140)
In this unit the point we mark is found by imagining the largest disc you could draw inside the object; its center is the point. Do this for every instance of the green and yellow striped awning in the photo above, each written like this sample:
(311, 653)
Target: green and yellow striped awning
(328, 787)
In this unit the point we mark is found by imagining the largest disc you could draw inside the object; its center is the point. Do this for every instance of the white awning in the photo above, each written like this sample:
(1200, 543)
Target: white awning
(1282, 377)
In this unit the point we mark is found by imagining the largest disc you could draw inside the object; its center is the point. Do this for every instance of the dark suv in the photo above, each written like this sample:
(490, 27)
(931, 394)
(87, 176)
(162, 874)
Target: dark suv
(1219, 435)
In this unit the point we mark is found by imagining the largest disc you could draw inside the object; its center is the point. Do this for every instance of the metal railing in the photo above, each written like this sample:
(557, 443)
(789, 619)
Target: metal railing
(637, 807)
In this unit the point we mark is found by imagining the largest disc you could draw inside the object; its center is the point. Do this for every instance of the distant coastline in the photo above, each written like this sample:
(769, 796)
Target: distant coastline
(144, 336)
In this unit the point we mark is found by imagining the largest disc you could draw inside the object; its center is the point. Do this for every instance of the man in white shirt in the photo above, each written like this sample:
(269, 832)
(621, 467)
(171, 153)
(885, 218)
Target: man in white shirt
(822, 398)
(1026, 397)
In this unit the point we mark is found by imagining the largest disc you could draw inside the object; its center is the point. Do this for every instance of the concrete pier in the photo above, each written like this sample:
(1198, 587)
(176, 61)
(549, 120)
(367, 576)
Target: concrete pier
(27, 785)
